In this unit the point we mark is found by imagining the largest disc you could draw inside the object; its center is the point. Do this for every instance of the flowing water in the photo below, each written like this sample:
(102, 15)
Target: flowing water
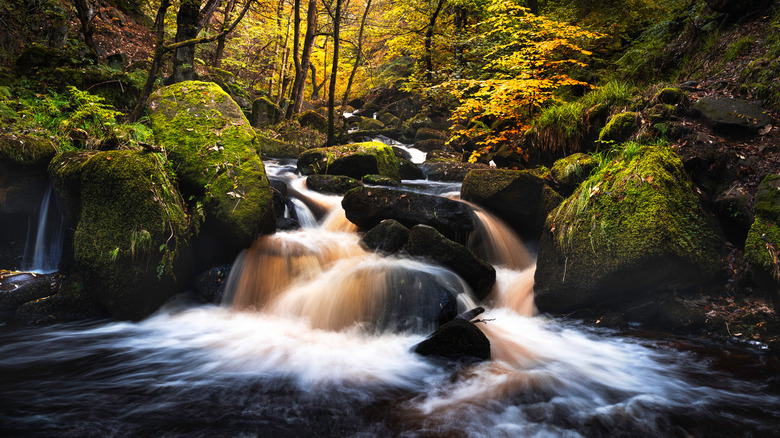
(316, 340)
(43, 248)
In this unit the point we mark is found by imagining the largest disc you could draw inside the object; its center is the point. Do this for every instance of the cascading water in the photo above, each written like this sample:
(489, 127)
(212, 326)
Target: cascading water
(317, 342)
(43, 248)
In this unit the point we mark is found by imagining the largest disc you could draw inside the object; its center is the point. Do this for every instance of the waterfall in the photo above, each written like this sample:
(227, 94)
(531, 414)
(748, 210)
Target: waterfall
(43, 252)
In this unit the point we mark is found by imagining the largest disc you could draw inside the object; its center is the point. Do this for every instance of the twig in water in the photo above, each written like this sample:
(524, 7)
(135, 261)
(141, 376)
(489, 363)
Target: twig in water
(483, 320)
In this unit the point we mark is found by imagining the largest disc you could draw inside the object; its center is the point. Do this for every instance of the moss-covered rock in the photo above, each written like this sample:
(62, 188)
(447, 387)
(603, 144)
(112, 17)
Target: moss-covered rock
(380, 180)
(367, 124)
(313, 119)
(762, 247)
(633, 227)
(214, 151)
(428, 134)
(338, 184)
(518, 197)
(430, 144)
(25, 150)
(620, 127)
(571, 171)
(130, 227)
(354, 160)
(670, 96)
(264, 112)
(389, 119)
(273, 148)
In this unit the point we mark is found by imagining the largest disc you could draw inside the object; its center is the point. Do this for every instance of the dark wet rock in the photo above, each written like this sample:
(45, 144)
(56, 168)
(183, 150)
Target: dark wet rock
(338, 184)
(456, 340)
(380, 180)
(368, 206)
(428, 134)
(37, 57)
(732, 116)
(521, 198)
(211, 284)
(614, 241)
(762, 247)
(409, 170)
(680, 315)
(279, 193)
(19, 288)
(425, 241)
(388, 236)
(428, 145)
(733, 210)
(70, 303)
(388, 119)
(288, 224)
(449, 170)
(356, 103)
(738, 8)
(354, 160)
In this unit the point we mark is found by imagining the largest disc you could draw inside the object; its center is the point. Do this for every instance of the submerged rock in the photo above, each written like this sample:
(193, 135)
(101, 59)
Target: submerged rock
(368, 206)
(354, 160)
(521, 198)
(425, 241)
(214, 152)
(130, 227)
(634, 227)
(456, 340)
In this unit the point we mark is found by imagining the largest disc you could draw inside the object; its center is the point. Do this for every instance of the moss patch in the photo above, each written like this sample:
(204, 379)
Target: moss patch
(620, 127)
(762, 248)
(355, 160)
(26, 150)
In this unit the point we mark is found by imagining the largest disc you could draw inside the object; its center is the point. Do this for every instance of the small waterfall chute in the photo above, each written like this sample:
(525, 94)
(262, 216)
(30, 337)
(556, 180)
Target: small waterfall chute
(42, 252)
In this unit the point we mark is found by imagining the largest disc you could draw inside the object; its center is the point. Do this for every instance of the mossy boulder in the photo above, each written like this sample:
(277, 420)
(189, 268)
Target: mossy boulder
(214, 151)
(762, 247)
(428, 134)
(273, 148)
(25, 150)
(366, 207)
(620, 127)
(264, 112)
(354, 160)
(521, 198)
(314, 120)
(389, 119)
(571, 171)
(634, 227)
(380, 180)
(425, 241)
(370, 125)
(670, 96)
(338, 184)
(130, 227)
(430, 144)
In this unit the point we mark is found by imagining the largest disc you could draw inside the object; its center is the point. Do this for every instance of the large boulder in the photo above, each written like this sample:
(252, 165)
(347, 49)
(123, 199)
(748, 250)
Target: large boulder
(23, 184)
(368, 206)
(521, 198)
(130, 227)
(337, 184)
(620, 127)
(634, 227)
(571, 171)
(425, 241)
(354, 160)
(389, 236)
(264, 112)
(762, 248)
(274, 148)
(732, 116)
(214, 152)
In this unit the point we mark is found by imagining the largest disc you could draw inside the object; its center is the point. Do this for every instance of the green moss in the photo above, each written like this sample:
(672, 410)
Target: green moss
(620, 127)
(767, 203)
(355, 160)
(214, 151)
(762, 247)
(130, 227)
(670, 96)
(273, 148)
(636, 208)
(573, 170)
(26, 150)
(659, 113)
(370, 125)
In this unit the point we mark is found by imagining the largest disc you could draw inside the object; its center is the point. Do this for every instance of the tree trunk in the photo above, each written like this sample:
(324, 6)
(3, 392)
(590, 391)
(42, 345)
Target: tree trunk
(334, 69)
(187, 28)
(159, 51)
(358, 56)
(299, 86)
(315, 88)
(296, 56)
(429, 41)
(277, 46)
(533, 5)
(221, 40)
(85, 17)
